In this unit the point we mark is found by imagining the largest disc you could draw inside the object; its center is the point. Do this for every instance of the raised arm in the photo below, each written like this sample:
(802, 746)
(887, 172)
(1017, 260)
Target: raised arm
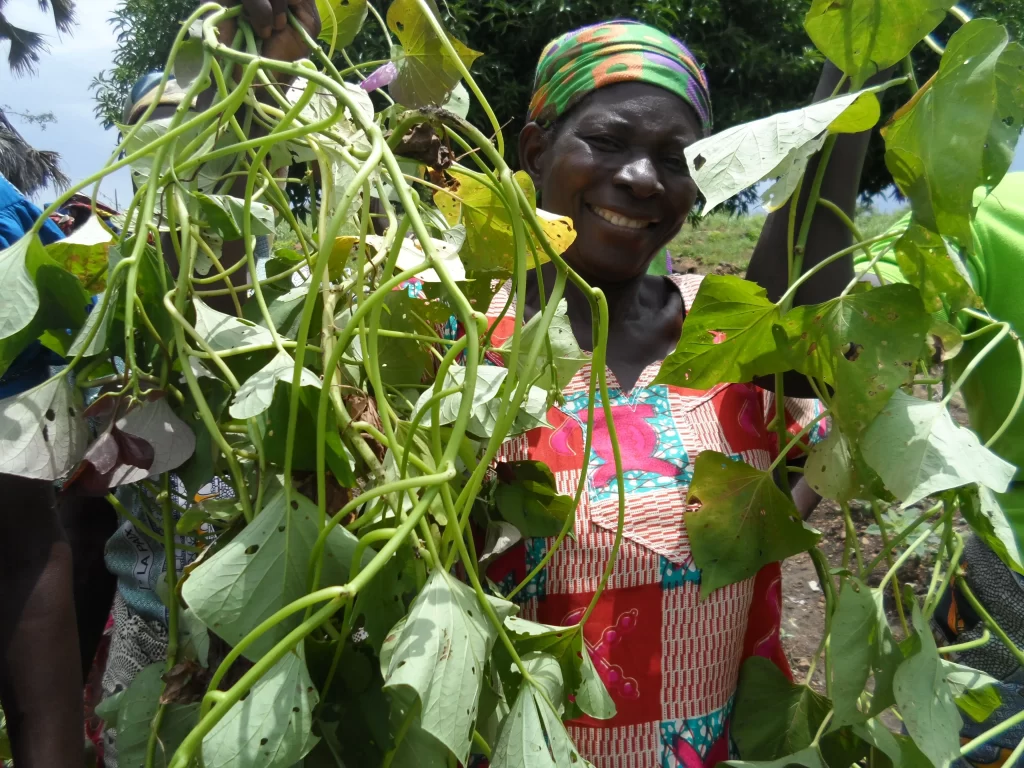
(828, 234)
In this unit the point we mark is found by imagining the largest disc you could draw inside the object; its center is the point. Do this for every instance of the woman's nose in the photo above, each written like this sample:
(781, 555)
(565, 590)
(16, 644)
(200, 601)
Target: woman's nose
(640, 176)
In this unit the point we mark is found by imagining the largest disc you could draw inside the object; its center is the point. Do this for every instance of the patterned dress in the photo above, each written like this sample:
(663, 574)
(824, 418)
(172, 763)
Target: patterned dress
(669, 659)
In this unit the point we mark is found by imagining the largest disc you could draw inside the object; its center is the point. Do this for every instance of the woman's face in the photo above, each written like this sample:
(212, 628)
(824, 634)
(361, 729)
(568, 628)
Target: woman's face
(615, 165)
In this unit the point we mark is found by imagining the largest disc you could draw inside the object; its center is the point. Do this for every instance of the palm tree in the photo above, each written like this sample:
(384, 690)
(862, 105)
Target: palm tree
(26, 45)
(25, 167)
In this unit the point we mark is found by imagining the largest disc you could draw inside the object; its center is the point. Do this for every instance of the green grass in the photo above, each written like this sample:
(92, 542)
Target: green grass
(726, 240)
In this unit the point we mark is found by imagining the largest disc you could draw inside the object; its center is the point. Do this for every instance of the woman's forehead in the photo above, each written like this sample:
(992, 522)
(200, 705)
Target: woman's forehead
(637, 106)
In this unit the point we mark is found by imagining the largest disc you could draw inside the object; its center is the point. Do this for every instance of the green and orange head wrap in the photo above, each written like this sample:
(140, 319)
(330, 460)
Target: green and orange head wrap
(582, 61)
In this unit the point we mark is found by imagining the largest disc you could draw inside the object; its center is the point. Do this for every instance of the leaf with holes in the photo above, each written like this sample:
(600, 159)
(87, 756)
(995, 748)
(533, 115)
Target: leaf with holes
(427, 72)
(439, 655)
(836, 470)
(257, 392)
(727, 336)
(773, 716)
(935, 269)
(918, 450)
(863, 37)
(136, 710)
(865, 344)
(271, 727)
(739, 521)
(925, 700)
(961, 130)
(340, 21)
(42, 433)
(729, 162)
(263, 569)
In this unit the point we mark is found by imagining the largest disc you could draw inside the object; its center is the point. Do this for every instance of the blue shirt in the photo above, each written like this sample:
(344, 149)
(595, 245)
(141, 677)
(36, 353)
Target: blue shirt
(17, 215)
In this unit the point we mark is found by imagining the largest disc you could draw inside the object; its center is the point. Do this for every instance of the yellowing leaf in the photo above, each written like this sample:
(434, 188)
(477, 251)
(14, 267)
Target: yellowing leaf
(427, 72)
(84, 254)
(490, 243)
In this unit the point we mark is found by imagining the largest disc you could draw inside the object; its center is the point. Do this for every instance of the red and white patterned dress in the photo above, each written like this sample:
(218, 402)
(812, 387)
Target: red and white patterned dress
(669, 659)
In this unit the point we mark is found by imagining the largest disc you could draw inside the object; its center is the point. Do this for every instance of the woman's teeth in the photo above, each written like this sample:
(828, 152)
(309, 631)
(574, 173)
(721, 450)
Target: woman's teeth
(620, 221)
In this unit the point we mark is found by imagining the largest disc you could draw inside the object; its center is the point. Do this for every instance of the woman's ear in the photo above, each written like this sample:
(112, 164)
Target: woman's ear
(533, 146)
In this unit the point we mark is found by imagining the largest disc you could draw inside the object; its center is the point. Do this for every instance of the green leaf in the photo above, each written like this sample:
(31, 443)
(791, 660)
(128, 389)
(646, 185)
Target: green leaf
(739, 157)
(382, 602)
(862, 646)
(226, 216)
(809, 758)
(975, 692)
(340, 20)
(19, 299)
(865, 344)
(533, 736)
(863, 37)
(925, 700)
(257, 392)
(489, 380)
(195, 638)
(774, 717)
(270, 728)
(440, 656)
(960, 132)
(742, 523)
(918, 450)
(901, 750)
(985, 515)
(83, 253)
(99, 341)
(199, 469)
(427, 73)
(262, 570)
(136, 710)
(837, 471)
(929, 264)
(584, 690)
(567, 356)
(42, 433)
(284, 305)
(527, 497)
(411, 254)
(172, 441)
(727, 336)
(223, 332)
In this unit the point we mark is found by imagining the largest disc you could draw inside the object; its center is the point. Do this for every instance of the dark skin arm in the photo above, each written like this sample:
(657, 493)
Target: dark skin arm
(768, 265)
(827, 235)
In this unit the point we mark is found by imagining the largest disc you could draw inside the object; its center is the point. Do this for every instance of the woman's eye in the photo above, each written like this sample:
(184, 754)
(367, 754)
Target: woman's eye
(607, 143)
(676, 164)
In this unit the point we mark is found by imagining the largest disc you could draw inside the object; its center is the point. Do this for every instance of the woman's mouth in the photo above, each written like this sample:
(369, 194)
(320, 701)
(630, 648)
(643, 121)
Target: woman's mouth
(619, 220)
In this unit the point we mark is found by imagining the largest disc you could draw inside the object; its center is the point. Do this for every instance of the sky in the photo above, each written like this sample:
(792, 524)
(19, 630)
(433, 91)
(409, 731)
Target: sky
(61, 86)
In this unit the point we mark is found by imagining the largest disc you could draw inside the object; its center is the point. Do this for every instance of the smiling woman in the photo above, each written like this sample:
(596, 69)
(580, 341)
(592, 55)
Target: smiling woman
(615, 107)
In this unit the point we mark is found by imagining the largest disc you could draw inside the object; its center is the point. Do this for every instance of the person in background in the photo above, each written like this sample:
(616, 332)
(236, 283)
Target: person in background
(995, 269)
(40, 661)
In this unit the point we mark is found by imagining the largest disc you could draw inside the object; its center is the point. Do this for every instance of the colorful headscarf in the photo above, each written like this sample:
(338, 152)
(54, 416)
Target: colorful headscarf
(593, 57)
